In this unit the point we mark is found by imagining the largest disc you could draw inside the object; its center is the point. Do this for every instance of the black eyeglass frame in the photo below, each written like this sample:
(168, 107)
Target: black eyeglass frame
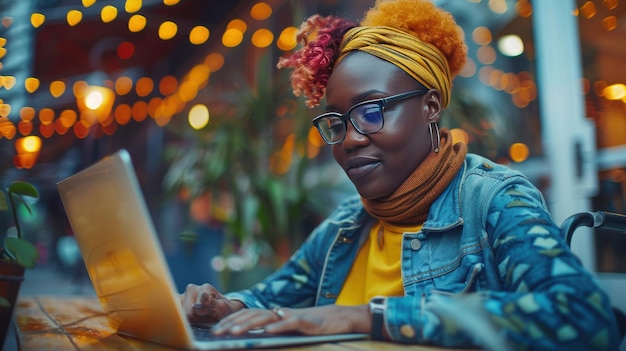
(381, 102)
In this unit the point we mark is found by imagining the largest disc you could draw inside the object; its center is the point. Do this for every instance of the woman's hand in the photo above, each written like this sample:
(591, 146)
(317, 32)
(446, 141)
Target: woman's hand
(331, 319)
(203, 303)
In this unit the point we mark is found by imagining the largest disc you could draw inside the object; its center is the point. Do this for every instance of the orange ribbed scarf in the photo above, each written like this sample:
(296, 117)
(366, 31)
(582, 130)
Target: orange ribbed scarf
(410, 203)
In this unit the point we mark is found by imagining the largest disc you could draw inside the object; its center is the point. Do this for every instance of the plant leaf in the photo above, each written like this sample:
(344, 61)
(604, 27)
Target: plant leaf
(24, 189)
(19, 189)
(25, 253)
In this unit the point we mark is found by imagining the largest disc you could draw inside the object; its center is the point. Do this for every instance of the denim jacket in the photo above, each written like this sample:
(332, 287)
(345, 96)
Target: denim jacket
(488, 266)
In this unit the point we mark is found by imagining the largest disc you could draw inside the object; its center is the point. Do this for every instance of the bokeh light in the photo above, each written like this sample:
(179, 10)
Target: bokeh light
(198, 116)
(125, 50)
(262, 38)
(260, 11)
(136, 23)
(518, 152)
(481, 35)
(74, 17)
(287, 39)
(108, 13)
(31, 84)
(167, 30)
(199, 35)
(123, 85)
(144, 86)
(37, 19)
(132, 6)
(232, 37)
(511, 45)
(57, 88)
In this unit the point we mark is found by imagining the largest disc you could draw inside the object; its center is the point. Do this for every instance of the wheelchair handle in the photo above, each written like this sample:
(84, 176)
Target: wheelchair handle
(597, 219)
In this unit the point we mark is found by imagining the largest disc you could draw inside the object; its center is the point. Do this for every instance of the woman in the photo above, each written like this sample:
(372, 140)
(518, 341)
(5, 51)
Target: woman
(441, 247)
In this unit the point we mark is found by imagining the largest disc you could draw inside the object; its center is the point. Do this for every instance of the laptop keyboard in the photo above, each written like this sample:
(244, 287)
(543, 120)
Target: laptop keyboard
(204, 333)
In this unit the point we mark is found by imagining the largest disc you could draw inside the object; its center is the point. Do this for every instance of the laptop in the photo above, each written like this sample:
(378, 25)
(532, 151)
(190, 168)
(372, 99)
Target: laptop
(127, 267)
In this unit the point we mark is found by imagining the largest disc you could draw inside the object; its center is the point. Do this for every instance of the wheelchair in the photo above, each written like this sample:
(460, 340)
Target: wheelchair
(601, 220)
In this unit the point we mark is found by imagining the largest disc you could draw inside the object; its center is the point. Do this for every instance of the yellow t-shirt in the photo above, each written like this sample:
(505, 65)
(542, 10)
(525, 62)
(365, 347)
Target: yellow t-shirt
(376, 269)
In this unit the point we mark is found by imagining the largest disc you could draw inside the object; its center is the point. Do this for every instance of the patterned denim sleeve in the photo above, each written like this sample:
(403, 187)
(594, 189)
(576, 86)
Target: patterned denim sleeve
(549, 301)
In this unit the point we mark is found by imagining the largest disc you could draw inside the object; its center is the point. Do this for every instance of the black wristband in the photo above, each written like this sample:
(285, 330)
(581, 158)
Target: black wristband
(377, 310)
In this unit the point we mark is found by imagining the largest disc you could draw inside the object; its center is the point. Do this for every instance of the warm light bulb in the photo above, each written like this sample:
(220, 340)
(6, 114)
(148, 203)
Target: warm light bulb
(32, 143)
(498, 6)
(5, 109)
(132, 6)
(609, 23)
(37, 19)
(198, 116)
(144, 86)
(287, 39)
(232, 38)
(167, 30)
(8, 82)
(261, 11)
(46, 116)
(518, 152)
(511, 45)
(588, 9)
(74, 17)
(68, 118)
(614, 91)
(198, 35)
(123, 85)
(481, 35)
(57, 88)
(262, 38)
(27, 113)
(108, 13)
(168, 85)
(94, 100)
(136, 23)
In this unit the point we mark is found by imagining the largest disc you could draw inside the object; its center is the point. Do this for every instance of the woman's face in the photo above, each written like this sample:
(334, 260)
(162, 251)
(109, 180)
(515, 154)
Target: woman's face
(379, 163)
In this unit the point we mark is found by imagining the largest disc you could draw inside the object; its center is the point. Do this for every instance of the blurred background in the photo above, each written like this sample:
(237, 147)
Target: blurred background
(232, 171)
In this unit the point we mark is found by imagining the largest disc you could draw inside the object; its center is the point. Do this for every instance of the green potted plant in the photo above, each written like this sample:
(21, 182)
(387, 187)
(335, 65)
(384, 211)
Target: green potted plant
(16, 253)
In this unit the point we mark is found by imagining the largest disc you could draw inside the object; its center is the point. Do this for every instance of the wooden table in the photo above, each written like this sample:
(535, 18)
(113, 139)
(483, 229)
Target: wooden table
(78, 323)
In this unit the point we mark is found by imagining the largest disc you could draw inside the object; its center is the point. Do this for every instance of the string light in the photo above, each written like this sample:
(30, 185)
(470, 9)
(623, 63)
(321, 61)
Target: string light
(108, 14)
(518, 152)
(198, 116)
(74, 17)
(144, 86)
(175, 94)
(261, 11)
(167, 30)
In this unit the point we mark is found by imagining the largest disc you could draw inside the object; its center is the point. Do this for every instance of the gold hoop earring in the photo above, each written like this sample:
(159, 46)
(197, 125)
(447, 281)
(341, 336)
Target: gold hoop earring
(432, 141)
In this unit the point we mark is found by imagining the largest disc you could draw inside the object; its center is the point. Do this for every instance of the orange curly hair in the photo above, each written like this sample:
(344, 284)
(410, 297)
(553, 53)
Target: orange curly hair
(428, 22)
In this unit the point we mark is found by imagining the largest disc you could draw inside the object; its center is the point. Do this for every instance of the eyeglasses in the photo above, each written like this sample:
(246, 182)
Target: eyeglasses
(366, 117)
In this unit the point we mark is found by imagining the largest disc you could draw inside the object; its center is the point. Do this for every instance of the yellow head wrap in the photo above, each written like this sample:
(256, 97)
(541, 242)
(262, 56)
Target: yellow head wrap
(422, 61)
